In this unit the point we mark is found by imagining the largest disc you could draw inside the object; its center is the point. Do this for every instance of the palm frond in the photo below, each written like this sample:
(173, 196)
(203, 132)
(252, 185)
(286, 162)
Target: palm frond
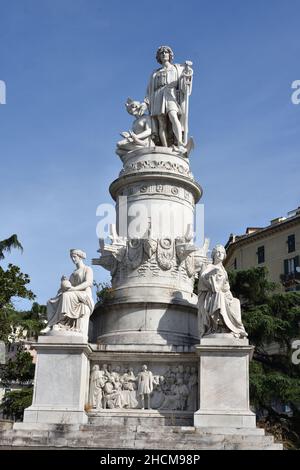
(8, 244)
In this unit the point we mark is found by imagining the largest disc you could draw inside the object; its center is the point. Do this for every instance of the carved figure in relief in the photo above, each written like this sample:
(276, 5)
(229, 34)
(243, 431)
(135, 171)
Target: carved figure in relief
(145, 386)
(129, 393)
(192, 380)
(111, 387)
(97, 382)
(112, 394)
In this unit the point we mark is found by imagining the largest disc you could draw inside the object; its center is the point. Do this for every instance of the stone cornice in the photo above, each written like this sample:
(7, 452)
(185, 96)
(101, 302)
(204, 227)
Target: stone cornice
(137, 177)
(261, 234)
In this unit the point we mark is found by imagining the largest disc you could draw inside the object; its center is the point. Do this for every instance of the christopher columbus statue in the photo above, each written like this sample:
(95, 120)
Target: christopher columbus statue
(167, 99)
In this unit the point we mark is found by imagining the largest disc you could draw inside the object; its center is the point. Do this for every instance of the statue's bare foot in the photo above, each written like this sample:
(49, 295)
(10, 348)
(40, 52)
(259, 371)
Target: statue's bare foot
(59, 326)
(45, 330)
(180, 148)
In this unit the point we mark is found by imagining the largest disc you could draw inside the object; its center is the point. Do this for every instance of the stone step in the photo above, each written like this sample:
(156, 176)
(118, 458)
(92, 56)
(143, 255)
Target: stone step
(238, 439)
(89, 435)
(166, 430)
(176, 438)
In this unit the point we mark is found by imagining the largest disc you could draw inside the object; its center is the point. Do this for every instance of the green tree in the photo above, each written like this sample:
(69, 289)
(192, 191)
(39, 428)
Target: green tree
(15, 402)
(272, 321)
(104, 292)
(13, 283)
(8, 244)
(15, 326)
(19, 370)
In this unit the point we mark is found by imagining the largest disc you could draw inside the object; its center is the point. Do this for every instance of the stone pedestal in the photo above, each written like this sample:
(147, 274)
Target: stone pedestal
(224, 382)
(146, 322)
(153, 267)
(61, 381)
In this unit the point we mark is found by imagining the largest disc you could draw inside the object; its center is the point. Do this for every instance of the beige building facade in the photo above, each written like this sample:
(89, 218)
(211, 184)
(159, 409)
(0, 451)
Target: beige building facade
(277, 247)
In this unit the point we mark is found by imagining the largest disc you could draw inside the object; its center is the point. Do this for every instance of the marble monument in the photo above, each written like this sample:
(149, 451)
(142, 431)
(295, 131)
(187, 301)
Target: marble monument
(153, 354)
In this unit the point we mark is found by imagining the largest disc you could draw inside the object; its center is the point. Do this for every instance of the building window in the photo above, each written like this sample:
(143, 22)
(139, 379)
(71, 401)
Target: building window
(291, 243)
(260, 254)
(235, 263)
(291, 276)
(290, 265)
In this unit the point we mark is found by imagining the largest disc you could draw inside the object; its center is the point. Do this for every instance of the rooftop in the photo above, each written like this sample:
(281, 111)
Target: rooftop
(253, 232)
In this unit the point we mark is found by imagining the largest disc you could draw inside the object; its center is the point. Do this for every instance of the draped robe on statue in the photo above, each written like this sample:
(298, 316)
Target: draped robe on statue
(74, 304)
(215, 298)
(166, 93)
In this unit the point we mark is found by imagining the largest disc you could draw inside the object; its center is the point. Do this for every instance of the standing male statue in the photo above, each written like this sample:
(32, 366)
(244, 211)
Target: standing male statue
(145, 386)
(167, 99)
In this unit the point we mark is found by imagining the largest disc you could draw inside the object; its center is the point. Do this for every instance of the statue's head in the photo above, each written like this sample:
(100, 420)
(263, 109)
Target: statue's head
(161, 51)
(218, 253)
(135, 108)
(76, 254)
(144, 367)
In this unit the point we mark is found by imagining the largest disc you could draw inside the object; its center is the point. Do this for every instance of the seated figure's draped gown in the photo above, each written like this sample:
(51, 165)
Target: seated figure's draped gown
(214, 296)
(74, 304)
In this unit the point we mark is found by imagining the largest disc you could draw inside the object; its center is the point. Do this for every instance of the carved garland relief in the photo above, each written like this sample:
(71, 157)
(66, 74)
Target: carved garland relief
(159, 165)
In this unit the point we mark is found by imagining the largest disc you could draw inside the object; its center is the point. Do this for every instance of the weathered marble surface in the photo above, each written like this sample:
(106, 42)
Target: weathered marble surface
(167, 102)
(126, 387)
(131, 433)
(61, 377)
(219, 311)
(224, 382)
(69, 311)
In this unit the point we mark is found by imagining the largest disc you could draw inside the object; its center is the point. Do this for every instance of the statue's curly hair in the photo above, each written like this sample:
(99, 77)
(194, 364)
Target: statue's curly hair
(76, 251)
(162, 49)
(217, 248)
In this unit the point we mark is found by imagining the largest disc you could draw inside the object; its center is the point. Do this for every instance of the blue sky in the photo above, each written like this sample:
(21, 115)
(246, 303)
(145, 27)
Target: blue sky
(69, 65)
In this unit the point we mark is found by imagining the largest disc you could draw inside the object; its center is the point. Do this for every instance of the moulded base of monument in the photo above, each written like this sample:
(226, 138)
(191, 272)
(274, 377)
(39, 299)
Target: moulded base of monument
(61, 375)
(133, 436)
(225, 419)
(170, 391)
(48, 415)
(145, 418)
(224, 382)
(145, 323)
(115, 419)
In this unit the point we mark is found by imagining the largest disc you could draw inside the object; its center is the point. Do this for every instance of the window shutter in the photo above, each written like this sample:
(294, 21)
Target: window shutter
(286, 266)
(291, 243)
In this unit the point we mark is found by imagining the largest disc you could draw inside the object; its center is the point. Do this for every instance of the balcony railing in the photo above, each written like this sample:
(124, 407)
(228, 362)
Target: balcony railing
(290, 278)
